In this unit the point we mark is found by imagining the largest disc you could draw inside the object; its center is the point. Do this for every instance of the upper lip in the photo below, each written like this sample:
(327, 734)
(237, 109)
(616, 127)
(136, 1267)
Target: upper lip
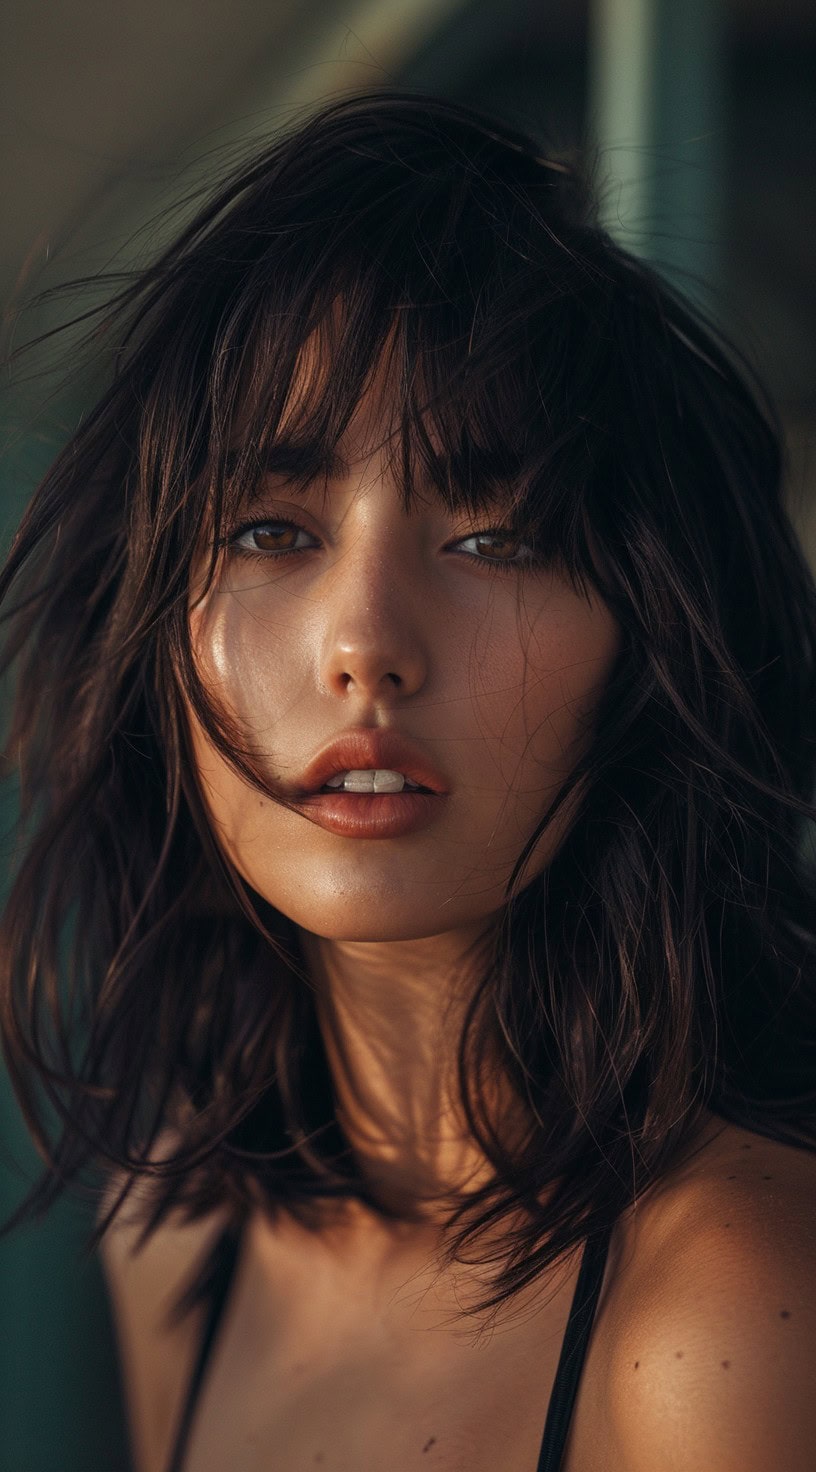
(364, 748)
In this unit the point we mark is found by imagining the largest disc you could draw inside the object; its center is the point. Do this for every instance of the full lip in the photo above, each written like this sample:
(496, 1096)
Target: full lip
(365, 748)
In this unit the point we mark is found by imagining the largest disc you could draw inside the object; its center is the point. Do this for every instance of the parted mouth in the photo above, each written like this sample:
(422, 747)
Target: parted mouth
(374, 781)
(366, 749)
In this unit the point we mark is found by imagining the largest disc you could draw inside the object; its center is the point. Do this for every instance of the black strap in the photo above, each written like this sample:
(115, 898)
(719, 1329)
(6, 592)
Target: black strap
(228, 1249)
(567, 1375)
(573, 1351)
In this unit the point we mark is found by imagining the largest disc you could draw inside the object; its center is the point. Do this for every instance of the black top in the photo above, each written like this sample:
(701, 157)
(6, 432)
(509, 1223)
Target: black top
(567, 1376)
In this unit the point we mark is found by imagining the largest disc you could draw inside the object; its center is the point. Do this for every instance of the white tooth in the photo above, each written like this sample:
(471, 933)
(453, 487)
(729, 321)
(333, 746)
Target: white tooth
(388, 781)
(360, 782)
(379, 780)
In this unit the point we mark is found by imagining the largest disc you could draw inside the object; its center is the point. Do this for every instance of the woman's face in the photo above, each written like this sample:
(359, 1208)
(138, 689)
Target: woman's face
(390, 619)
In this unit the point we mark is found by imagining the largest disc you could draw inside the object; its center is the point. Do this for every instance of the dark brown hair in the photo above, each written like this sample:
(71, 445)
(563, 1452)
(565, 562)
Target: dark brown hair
(663, 965)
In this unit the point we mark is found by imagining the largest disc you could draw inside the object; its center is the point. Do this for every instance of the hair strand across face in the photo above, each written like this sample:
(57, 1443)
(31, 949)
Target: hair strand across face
(663, 964)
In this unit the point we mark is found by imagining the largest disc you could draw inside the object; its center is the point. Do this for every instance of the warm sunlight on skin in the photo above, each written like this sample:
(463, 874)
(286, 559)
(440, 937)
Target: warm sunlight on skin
(498, 676)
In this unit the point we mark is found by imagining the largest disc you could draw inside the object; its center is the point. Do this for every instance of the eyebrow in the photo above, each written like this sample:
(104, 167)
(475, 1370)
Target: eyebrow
(300, 462)
(303, 461)
(306, 461)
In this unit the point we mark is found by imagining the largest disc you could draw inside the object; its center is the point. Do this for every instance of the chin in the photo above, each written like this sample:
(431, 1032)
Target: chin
(352, 921)
(381, 929)
(368, 907)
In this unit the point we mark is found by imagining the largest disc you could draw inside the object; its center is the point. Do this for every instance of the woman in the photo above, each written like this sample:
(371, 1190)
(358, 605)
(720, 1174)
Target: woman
(415, 722)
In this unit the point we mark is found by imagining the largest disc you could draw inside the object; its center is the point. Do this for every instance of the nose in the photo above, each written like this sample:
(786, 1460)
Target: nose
(376, 643)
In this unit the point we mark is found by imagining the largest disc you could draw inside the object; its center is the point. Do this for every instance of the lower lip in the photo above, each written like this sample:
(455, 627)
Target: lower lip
(378, 815)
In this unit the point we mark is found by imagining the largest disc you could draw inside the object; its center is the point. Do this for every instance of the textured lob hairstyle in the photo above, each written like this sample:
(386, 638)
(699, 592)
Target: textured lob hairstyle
(663, 965)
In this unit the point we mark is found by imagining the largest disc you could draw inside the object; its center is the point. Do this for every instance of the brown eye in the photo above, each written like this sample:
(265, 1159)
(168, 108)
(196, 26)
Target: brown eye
(496, 546)
(274, 537)
(268, 539)
(499, 550)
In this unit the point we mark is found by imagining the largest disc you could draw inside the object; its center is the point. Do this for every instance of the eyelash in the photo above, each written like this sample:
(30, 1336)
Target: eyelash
(494, 564)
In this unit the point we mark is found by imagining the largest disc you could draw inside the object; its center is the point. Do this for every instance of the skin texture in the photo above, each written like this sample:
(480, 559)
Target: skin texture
(383, 619)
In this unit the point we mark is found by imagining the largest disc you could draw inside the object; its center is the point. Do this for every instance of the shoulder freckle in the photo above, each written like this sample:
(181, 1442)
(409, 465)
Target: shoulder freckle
(723, 1293)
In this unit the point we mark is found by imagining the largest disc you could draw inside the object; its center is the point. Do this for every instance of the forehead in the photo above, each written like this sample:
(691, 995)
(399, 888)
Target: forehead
(370, 439)
(310, 386)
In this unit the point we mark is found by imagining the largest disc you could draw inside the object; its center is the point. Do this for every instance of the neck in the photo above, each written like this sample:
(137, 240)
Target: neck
(391, 1015)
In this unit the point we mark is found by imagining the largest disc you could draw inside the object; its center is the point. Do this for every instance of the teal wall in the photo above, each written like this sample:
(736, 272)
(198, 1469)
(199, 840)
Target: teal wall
(60, 1396)
(657, 110)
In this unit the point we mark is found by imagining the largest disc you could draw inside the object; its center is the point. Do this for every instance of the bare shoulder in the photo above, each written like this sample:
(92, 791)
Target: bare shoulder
(716, 1341)
(156, 1360)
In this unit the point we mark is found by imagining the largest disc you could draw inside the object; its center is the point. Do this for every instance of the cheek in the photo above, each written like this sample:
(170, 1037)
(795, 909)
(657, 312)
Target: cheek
(536, 679)
(236, 650)
(253, 662)
(558, 675)
(227, 799)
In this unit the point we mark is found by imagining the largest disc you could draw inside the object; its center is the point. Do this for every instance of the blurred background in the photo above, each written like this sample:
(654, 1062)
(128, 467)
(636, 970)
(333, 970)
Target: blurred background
(702, 117)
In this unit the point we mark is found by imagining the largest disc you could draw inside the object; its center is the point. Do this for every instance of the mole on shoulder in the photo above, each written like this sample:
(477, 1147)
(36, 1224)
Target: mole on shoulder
(784, 1313)
(678, 1354)
(429, 1443)
(318, 1456)
(745, 1147)
(767, 1178)
(725, 1364)
(637, 1362)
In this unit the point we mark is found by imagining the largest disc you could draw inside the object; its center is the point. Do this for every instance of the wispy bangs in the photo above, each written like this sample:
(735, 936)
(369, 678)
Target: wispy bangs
(490, 358)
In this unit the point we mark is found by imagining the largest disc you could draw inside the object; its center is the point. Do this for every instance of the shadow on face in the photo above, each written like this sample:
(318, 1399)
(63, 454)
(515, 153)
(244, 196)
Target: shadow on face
(337, 608)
